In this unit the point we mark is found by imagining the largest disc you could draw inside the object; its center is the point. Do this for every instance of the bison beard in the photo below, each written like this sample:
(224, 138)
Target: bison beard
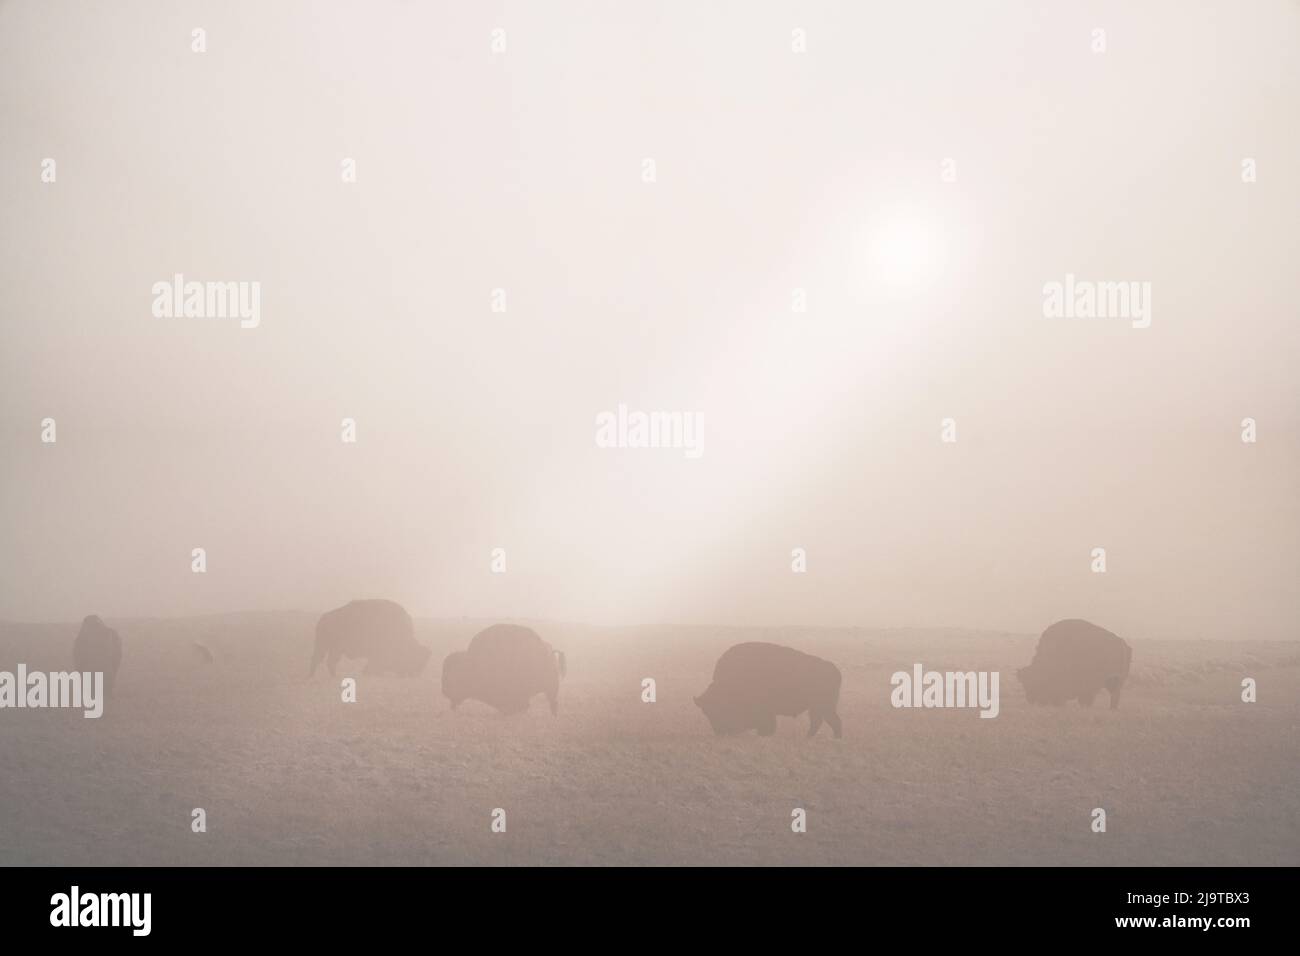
(755, 682)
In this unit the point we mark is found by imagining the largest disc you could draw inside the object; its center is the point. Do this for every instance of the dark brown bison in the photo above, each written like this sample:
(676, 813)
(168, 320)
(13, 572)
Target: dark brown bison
(1074, 660)
(380, 631)
(98, 648)
(754, 682)
(505, 666)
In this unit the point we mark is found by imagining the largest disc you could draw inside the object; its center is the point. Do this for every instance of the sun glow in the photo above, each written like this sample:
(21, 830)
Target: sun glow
(903, 252)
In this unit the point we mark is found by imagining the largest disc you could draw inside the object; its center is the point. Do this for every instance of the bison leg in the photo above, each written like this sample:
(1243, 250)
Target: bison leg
(1113, 685)
(1087, 699)
(766, 724)
(836, 727)
(553, 698)
(331, 659)
(814, 723)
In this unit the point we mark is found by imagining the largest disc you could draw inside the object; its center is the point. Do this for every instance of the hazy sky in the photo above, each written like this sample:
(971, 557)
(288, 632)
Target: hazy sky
(776, 170)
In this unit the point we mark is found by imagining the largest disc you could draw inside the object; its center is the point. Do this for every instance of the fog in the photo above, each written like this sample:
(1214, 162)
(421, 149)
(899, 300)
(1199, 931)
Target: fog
(774, 171)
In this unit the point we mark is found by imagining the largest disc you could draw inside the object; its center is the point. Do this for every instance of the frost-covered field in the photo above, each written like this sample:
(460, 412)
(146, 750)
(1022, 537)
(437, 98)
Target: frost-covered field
(288, 774)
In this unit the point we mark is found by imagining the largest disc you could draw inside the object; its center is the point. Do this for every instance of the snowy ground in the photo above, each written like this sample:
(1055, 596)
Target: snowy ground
(288, 774)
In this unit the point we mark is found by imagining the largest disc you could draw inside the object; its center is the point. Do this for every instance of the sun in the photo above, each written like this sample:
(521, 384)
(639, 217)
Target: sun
(903, 252)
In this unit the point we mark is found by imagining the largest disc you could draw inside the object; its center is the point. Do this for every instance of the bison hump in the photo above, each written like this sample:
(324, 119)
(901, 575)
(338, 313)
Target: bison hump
(371, 610)
(759, 658)
(1076, 642)
(506, 640)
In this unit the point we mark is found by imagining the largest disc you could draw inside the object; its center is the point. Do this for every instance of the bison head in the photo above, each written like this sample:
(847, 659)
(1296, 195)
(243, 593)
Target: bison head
(457, 677)
(1038, 690)
(721, 717)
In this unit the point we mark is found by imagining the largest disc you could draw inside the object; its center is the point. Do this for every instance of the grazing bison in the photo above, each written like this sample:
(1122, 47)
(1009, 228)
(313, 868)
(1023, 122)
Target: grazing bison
(505, 666)
(98, 648)
(754, 682)
(1075, 660)
(379, 631)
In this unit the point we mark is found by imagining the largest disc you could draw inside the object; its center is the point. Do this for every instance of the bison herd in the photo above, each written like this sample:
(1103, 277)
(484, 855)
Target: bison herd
(507, 665)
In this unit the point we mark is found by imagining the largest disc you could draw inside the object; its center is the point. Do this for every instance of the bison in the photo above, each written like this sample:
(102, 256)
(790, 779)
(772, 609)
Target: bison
(98, 648)
(755, 681)
(505, 666)
(1074, 660)
(380, 631)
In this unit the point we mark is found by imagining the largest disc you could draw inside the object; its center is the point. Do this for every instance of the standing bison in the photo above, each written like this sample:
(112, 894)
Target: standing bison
(380, 631)
(754, 682)
(98, 648)
(1074, 660)
(505, 666)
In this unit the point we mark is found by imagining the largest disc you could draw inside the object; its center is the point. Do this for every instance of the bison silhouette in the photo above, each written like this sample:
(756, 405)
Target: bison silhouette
(98, 648)
(1074, 661)
(505, 666)
(377, 630)
(755, 681)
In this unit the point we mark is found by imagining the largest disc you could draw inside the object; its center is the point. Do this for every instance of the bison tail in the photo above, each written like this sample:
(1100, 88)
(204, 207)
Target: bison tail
(561, 664)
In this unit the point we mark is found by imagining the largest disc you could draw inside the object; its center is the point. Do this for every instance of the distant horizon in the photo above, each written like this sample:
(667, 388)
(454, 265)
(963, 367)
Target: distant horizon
(532, 619)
